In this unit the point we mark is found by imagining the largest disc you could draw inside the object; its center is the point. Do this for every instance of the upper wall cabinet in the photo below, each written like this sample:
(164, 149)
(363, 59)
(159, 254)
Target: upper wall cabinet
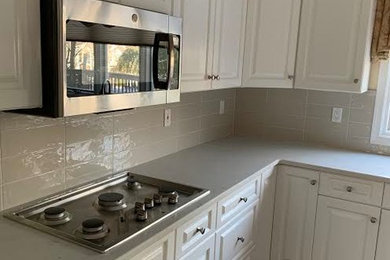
(213, 43)
(20, 54)
(162, 6)
(271, 43)
(334, 45)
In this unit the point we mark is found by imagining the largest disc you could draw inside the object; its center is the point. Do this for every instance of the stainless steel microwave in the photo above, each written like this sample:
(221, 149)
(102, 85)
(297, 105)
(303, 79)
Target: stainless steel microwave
(99, 56)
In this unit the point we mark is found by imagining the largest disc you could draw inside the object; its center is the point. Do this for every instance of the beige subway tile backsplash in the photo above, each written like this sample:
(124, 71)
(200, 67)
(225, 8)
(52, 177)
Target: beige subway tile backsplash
(41, 156)
(306, 115)
(18, 192)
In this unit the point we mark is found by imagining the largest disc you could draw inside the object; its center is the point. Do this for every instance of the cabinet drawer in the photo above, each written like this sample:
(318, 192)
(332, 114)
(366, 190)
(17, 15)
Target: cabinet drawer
(191, 233)
(353, 189)
(236, 239)
(204, 251)
(238, 201)
(386, 196)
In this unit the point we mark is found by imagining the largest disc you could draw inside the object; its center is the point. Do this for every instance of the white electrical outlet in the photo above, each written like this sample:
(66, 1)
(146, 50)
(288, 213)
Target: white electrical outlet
(222, 107)
(337, 115)
(167, 118)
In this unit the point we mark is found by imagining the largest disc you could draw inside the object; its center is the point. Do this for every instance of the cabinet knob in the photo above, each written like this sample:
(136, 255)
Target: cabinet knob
(313, 182)
(373, 220)
(217, 77)
(356, 81)
(201, 230)
(211, 77)
(291, 77)
(244, 199)
(349, 188)
(242, 239)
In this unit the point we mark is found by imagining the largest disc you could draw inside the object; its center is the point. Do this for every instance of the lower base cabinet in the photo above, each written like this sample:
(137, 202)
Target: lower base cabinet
(345, 230)
(164, 249)
(295, 212)
(204, 251)
(236, 237)
(383, 248)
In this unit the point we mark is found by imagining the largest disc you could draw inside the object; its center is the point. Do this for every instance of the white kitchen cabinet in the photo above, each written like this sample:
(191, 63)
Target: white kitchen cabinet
(235, 239)
(229, 41)
(204, 251)
(198, 38)
(213, 43)
(162, 6)
(236, 202)
(265, 216)
(295, 212)
(383, 249)
(345, 230)
(194, 231)
(271, 43)
(334, 45)
(20, 54)
(164, 249)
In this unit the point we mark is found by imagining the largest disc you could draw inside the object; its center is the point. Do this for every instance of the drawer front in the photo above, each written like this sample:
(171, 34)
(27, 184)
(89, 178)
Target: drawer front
(205, 251)
(237, 202)
(353, 189)
(191, 233)
(236, 239)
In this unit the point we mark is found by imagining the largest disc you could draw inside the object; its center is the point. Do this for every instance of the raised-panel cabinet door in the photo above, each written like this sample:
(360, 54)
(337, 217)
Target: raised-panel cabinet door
(162, 6)
(164, 249)
(383, 249)
(334, 45)
(345, 230)
(20, 54)
(295, 213)
(204, 251)
(265, 216)
(271, 43)
(229, 43)
(198, 34)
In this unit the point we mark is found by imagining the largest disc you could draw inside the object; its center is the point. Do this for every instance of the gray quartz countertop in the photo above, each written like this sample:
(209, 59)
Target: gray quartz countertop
(217, 166)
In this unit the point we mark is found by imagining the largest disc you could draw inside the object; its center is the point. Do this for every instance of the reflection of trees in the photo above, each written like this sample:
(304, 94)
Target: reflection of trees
(128, 62)
(73, 49)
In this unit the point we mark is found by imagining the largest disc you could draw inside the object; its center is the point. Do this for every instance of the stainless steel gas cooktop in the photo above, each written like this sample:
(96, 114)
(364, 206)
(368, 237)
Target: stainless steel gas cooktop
(108, 212)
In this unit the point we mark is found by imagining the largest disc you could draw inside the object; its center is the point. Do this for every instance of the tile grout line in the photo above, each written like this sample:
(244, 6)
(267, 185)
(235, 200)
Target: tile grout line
(305, 115)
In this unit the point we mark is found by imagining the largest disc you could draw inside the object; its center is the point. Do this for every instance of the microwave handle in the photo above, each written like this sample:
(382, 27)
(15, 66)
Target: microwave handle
(171, 60)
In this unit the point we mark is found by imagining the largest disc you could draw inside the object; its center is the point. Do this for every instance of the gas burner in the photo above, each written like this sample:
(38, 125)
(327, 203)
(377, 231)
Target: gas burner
(111, 201)
(132, 184)
(55, 216)
(92, 229)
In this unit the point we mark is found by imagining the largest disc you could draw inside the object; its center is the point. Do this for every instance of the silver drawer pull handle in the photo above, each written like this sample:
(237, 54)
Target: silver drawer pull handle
(211, 77)
(313, 182)
(242, 239)
(349, 188)
(244, 199)
(373, 220)
(201, 230)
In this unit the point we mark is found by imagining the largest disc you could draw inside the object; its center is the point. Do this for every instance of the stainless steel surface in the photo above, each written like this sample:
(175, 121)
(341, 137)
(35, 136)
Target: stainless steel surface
(313, 182)
(120, 225)
(244, 199)
(114, 15)
(242, 239)
(201, 230)
(349, 188)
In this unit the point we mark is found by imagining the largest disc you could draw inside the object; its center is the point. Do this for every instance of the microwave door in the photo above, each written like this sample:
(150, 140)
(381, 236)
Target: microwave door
(163, 60)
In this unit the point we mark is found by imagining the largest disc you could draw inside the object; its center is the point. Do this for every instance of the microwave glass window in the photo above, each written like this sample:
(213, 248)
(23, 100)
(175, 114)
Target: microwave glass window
(103, 60)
